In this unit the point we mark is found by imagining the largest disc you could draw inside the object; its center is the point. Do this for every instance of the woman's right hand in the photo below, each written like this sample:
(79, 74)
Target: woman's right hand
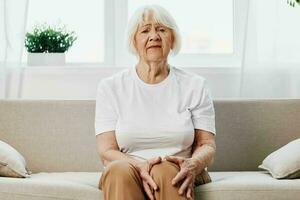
(144, 168)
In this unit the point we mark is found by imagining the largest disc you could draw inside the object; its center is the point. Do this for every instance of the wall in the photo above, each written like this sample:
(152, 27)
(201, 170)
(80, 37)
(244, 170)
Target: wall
(71, 82)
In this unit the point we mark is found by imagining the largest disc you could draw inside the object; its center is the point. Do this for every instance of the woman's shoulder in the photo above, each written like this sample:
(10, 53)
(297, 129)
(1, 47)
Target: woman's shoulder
(188, 77)
(116, 78)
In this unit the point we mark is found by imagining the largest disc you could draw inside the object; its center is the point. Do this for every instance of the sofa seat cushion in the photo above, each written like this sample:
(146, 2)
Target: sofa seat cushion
(84, 185)
(51, 186)
(248, 185)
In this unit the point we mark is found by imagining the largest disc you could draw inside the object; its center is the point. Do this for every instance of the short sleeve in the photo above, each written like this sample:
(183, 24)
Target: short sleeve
(203, 113)
(105, 114)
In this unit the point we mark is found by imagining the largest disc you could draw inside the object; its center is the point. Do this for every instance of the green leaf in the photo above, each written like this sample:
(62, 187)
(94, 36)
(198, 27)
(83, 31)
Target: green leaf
(45, 38)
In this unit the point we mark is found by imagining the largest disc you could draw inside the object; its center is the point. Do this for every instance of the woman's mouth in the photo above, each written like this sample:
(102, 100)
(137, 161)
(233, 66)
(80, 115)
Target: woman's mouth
(154, 46)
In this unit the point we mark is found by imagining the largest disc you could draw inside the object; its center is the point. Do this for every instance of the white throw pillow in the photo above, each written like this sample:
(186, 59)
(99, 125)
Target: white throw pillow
(12, 163)
(284, 162)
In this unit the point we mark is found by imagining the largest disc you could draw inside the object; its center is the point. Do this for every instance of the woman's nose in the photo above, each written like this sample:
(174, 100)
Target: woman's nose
(154, 36)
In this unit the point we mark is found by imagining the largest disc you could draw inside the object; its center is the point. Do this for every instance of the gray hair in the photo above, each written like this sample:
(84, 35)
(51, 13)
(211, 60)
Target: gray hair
(161, 16)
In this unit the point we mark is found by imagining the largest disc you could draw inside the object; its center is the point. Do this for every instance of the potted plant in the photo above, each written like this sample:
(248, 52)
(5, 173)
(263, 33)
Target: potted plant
(47, 45)
(292, 2)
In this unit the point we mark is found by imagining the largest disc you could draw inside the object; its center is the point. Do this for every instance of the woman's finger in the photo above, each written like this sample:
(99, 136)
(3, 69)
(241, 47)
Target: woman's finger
(157, 159)
(153, 162)
(148, 191)
(179, 176)
(190, 190)
(174, 159)
(189, 193)
(184, 185)
(150, 181)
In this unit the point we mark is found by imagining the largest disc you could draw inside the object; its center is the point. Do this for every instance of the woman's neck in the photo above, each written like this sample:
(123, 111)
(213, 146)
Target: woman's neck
(152, 72)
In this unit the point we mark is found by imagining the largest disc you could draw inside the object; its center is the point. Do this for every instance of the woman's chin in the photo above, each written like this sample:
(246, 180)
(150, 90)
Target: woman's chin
(155, 58)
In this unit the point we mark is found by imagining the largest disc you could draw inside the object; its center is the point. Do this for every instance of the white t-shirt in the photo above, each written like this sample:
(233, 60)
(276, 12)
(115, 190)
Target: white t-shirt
(154, 119)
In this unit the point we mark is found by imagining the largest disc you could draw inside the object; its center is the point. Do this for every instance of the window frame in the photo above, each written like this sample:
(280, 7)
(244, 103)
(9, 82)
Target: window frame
(117, 55)
(186, 60)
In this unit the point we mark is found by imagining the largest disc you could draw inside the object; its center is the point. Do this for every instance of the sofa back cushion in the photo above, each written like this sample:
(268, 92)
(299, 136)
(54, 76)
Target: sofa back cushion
(58, 135)
(52, 135)
(249, 130)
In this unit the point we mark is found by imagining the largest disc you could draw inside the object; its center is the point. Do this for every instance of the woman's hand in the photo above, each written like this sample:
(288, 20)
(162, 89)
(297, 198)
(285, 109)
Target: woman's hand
(189, 168)
(144, 170)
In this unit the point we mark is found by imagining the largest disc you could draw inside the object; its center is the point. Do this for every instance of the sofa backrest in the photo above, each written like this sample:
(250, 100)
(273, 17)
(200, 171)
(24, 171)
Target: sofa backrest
(58, 135)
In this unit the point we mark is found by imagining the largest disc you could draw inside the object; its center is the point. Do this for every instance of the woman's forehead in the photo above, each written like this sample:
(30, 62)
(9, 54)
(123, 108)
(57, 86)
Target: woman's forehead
(150, 21)
(145, 24)
(149, 17)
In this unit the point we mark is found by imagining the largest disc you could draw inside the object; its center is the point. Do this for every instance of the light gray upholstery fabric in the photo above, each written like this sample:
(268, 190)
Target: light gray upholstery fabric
(12, 163)
(58, 136)
(284, 162)
(83, 186)
(46, 186)
(52, 135)
(248, 185)
(249, 130)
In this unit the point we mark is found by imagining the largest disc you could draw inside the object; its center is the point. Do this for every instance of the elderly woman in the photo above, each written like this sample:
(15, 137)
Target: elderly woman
(154, 123)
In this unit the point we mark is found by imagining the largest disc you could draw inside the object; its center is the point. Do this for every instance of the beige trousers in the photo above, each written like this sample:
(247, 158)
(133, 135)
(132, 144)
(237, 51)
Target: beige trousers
(121, 181)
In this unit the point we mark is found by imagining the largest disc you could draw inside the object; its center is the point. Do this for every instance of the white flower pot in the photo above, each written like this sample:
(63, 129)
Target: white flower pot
(41, 59)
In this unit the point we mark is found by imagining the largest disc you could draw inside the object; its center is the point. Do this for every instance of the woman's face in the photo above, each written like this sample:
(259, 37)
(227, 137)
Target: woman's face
(153, 41)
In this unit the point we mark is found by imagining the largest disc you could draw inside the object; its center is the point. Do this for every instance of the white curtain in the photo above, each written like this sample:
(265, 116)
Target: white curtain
(13, 15)
(271, 63)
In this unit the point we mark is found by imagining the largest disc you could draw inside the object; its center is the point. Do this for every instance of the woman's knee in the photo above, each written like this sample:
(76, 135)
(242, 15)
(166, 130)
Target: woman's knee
(119, 168)
(117, 172)
(164, 170)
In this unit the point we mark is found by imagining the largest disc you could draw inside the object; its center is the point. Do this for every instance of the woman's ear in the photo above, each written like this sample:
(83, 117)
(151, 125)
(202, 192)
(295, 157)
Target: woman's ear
(172, 40)
(134, 43)
(134, 46)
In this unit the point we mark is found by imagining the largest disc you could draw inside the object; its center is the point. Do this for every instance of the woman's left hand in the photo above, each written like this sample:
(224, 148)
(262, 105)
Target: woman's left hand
(189, 168)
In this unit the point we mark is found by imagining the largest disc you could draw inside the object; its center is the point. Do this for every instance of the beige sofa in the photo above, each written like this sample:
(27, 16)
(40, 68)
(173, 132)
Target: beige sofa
(57, 139)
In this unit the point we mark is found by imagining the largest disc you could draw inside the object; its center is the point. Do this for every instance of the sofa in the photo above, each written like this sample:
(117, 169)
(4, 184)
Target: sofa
(57, 139)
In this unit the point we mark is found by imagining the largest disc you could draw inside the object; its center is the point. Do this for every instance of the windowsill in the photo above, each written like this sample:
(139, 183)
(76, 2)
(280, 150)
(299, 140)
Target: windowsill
(108, 66)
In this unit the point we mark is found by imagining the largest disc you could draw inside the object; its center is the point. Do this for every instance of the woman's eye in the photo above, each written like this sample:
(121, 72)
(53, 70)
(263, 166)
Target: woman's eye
(162, 30)
(144, 31)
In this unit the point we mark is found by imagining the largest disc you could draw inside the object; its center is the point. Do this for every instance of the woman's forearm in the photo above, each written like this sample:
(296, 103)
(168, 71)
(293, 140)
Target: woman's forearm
(204, 155)
(112, 155)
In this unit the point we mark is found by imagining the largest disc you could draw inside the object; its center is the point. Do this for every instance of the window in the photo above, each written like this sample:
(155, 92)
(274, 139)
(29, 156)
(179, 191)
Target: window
(86, 18)
(205, 27)
(212, 32)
